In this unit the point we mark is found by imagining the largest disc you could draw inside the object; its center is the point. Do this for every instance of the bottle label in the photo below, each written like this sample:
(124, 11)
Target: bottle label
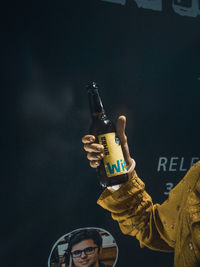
(113, 156)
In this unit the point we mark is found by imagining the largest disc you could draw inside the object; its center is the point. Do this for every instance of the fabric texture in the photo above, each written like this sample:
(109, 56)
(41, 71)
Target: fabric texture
(173, 226)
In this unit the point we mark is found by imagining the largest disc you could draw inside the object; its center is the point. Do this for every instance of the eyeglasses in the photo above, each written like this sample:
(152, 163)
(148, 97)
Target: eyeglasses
(87, 251)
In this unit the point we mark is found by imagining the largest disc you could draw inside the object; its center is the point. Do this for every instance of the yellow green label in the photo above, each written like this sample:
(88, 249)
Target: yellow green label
(113, 156)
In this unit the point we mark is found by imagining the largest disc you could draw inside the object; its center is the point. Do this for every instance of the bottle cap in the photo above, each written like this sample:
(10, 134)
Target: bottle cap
(91, 86)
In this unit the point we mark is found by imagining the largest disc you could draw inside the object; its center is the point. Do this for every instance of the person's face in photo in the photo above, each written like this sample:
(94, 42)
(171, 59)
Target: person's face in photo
(85, 253)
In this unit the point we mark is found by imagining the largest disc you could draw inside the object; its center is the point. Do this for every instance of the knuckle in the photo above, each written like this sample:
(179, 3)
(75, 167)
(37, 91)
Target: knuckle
(93, 164)
(85, 147)
(94, 147)
(88, 156)
(98, 156)
(88, 139)
(100, 148)
(83, 139)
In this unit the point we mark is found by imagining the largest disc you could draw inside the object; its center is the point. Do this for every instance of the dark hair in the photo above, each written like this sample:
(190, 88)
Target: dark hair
(84, 235)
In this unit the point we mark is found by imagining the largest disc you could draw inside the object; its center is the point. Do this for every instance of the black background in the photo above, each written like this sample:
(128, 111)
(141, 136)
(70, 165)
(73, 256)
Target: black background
(147, 64)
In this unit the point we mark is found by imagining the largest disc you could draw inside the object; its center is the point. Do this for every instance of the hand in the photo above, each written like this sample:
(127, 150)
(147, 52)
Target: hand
(95, 151)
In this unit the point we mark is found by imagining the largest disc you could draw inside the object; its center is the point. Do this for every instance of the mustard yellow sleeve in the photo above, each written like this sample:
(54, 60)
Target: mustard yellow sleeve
(132, 207)
(172, 226)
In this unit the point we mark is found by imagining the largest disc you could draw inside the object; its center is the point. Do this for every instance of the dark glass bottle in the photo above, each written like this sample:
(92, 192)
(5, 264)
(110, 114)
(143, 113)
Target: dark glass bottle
(112, 170)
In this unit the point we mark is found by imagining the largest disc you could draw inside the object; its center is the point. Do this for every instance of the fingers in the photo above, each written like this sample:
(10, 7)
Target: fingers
(95, 163)
(94, 150)
(94, 156)
(87, 139)
(90, 146)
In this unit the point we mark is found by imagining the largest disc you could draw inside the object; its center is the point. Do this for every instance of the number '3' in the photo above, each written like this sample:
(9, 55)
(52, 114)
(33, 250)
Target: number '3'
(169, 187)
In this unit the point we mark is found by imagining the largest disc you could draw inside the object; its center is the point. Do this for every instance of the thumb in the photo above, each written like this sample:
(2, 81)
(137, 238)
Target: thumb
(120, 129)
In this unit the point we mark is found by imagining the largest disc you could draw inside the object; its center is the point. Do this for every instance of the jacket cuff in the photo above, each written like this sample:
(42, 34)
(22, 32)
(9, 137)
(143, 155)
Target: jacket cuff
(116, 201)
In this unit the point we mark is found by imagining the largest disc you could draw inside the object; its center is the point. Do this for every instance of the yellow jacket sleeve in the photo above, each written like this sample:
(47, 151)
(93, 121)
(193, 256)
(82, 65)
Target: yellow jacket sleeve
(158, 227)
(132, 207)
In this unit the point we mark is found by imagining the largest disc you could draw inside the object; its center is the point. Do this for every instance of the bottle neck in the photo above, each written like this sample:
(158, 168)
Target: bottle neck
(96, 106)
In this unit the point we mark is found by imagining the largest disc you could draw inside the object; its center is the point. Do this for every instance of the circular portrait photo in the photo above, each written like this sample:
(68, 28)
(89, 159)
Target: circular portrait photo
(85, 247)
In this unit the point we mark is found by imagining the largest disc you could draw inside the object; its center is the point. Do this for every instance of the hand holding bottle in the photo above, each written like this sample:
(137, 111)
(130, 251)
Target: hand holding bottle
(95, 150)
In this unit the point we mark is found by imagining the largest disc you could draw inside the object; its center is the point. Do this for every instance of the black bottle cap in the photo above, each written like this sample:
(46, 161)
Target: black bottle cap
(92, 86)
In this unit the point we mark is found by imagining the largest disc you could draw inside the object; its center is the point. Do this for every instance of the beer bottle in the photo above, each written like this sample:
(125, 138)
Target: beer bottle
(112, 169)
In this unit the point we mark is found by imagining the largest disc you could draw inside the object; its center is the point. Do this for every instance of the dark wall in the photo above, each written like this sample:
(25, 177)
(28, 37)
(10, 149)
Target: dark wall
(147, 64)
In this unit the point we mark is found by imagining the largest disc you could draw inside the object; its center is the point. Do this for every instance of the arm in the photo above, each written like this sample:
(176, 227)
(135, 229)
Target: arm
(131, 206)
(158, 227)
(133, 209)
